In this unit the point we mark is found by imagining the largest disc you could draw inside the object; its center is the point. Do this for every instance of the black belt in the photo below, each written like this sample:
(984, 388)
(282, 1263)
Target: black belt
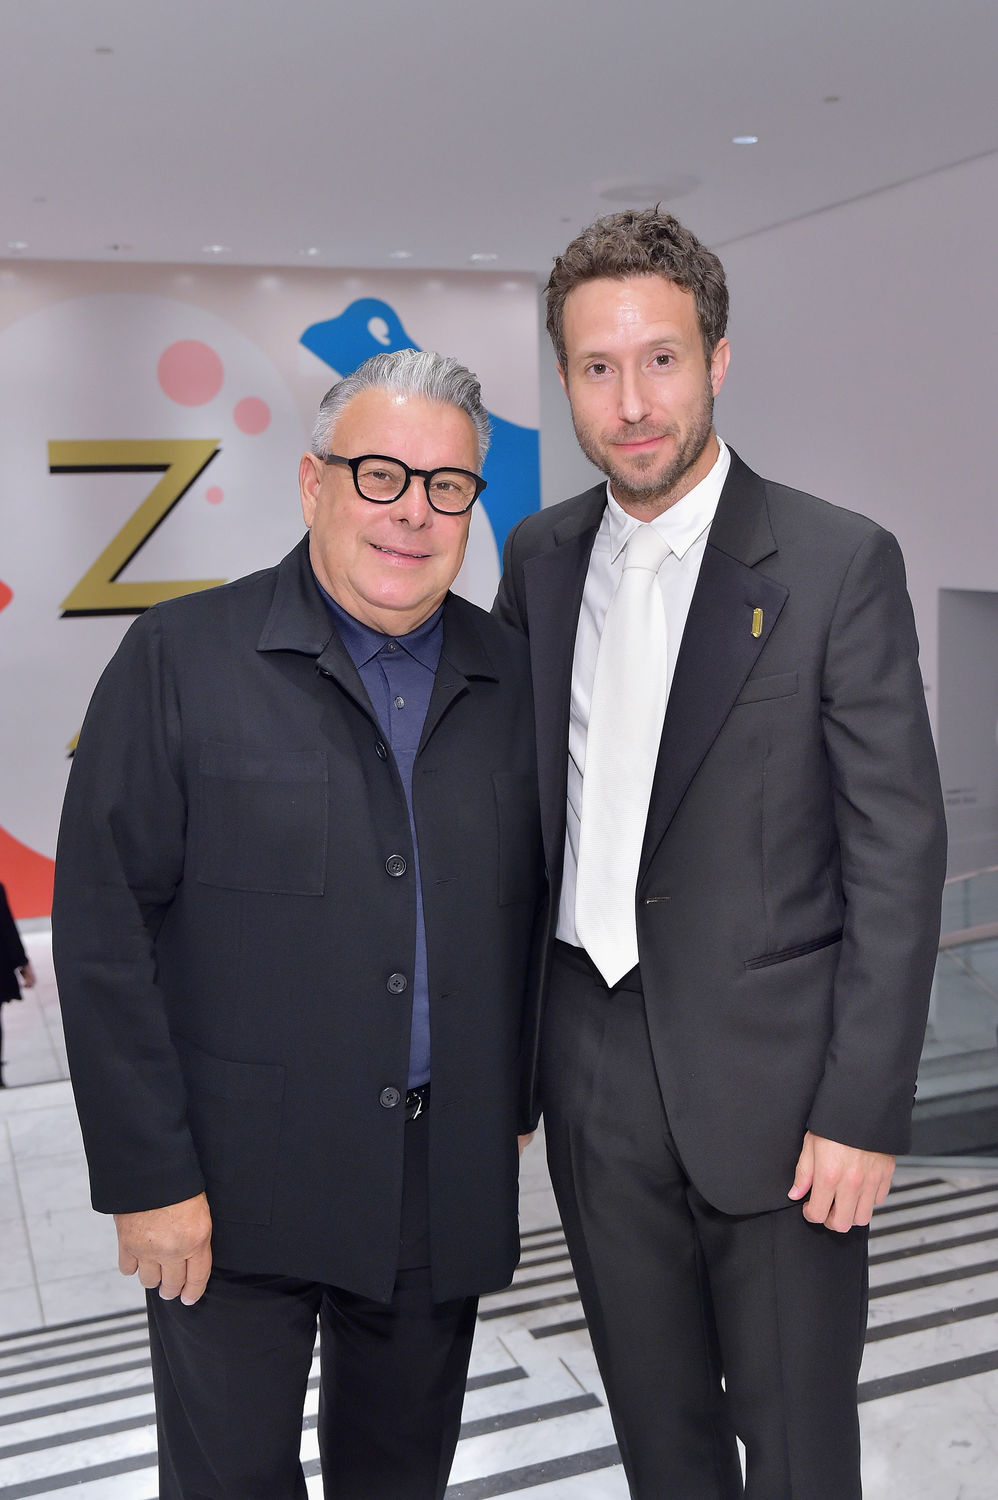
(417, 1101)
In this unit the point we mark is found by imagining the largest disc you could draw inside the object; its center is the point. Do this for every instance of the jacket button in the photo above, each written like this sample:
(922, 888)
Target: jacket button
(389, 1097)
(395, 864)
(397, 983)
(382, 752)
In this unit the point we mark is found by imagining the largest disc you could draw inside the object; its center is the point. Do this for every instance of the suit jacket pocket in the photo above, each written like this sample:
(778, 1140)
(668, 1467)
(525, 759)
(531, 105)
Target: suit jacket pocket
(784, 954)
(519, 836)
(234, 1112)
(756, 689)
(262, 819)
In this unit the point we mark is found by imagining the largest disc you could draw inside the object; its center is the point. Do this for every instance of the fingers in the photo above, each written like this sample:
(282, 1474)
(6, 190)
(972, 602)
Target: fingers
(185, 1279)
(847, 1184)
(150, 1274)
(198, 1271)
(172, 1279)
(127, 1263)
(804, 1175)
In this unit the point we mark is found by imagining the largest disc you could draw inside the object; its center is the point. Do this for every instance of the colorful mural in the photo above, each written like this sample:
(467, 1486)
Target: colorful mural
(153, 425)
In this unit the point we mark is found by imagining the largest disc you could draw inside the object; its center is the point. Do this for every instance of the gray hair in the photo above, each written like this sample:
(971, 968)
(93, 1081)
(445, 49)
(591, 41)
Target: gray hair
(408, 372)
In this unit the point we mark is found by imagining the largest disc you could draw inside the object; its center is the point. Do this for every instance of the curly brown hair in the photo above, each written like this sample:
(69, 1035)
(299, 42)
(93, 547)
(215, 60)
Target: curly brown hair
(640, 242)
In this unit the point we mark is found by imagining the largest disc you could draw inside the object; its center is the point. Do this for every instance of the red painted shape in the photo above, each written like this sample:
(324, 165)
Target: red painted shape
(6, 594)
(27, 877)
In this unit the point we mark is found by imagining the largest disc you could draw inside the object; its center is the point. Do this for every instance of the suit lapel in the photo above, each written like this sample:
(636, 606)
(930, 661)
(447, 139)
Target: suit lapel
(719, 648)
(553, 582)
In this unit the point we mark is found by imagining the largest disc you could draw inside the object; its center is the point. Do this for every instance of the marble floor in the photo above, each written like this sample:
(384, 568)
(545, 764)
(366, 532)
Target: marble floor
(76, 1401)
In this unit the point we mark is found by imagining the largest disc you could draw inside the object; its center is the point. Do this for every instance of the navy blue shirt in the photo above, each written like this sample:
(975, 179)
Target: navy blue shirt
(398, 674)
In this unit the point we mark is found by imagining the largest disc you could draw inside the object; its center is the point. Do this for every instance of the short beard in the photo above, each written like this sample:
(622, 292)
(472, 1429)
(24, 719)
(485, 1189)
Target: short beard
(664, 484)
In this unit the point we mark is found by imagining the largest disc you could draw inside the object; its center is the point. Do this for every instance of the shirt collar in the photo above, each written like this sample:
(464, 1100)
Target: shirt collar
(363, 642)
(683, 522)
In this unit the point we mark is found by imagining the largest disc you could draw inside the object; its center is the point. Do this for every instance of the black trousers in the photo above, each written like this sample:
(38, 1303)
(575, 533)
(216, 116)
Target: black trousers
(231, 1373)
(678, 1295)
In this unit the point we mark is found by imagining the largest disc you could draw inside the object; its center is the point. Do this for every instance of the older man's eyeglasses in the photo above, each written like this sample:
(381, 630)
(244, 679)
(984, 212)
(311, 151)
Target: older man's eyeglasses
(382, 479)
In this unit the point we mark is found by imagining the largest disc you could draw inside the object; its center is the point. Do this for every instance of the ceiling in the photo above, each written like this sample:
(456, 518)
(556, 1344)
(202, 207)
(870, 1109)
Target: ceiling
(328, 134)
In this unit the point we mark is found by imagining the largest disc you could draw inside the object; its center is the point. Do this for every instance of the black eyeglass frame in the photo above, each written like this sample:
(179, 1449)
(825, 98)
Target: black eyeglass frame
(424, 474)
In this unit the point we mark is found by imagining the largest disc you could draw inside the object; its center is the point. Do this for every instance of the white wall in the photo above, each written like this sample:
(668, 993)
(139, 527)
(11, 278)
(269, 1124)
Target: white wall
(865, 369)
(564, 469)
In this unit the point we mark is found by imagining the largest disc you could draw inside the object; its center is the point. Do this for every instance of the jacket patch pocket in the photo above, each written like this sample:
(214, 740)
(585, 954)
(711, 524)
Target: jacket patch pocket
(262, 819)
(758, 689)
(234, 1113)
(519, 836)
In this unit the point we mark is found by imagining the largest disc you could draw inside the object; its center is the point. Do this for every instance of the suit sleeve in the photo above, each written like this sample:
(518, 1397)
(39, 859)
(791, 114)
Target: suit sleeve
(509, 604)
(119, 861)
(892, 843)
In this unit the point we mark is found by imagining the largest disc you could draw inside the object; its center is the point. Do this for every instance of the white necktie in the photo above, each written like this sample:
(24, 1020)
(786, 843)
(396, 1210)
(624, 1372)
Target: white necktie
(625, 727)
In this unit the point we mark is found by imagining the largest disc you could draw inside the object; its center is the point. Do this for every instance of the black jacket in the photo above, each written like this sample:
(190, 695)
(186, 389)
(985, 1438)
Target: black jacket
(230, 927)
(789, 891)
(12, 954)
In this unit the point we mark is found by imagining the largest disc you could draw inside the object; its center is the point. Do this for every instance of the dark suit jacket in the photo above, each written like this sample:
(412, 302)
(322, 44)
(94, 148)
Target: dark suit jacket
(789, 891)
(233, 940)
(12, 954)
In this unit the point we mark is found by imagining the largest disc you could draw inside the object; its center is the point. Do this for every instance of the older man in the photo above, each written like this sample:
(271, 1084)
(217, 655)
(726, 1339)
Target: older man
(296, 882)
(745, 835)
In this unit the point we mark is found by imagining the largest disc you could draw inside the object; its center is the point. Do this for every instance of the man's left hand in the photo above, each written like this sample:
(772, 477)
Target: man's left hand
(845, 1184)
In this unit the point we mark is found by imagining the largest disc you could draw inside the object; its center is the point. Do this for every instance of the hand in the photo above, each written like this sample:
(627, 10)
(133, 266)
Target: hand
(169, 1247)
(845, 1184)
(27, 974)
(523, 1141)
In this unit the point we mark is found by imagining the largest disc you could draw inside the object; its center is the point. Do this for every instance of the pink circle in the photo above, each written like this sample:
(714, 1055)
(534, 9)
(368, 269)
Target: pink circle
(213, 494)
(190, 373)
(251, 415)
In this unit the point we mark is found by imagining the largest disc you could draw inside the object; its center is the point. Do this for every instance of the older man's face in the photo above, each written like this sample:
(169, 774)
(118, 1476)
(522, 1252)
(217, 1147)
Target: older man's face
(388, 565)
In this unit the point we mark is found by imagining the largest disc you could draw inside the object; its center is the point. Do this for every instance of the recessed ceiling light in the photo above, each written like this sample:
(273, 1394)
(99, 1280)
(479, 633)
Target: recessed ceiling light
(745, 140)
(400, 255)
(215, 249)
(17, 244)
(481, 256)
(309, 250)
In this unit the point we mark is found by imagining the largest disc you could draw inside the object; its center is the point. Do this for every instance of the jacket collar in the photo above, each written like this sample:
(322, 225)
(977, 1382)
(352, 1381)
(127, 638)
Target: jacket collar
(741, 528)
(299, 621)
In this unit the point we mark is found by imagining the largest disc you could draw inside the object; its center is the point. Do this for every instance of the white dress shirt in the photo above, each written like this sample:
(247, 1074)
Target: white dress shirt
(684, 526)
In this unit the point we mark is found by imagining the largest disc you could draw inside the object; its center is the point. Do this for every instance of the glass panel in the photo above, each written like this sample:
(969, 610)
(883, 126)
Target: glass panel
(956, 1110)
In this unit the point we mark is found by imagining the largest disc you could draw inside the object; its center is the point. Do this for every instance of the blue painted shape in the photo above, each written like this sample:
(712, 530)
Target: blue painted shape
(512, 468)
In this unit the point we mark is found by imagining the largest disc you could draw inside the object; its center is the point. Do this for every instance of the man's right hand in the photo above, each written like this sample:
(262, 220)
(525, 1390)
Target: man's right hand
(169, 1247)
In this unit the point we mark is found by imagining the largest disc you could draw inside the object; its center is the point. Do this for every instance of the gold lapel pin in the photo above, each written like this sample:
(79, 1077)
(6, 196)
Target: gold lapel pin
(757, 623)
